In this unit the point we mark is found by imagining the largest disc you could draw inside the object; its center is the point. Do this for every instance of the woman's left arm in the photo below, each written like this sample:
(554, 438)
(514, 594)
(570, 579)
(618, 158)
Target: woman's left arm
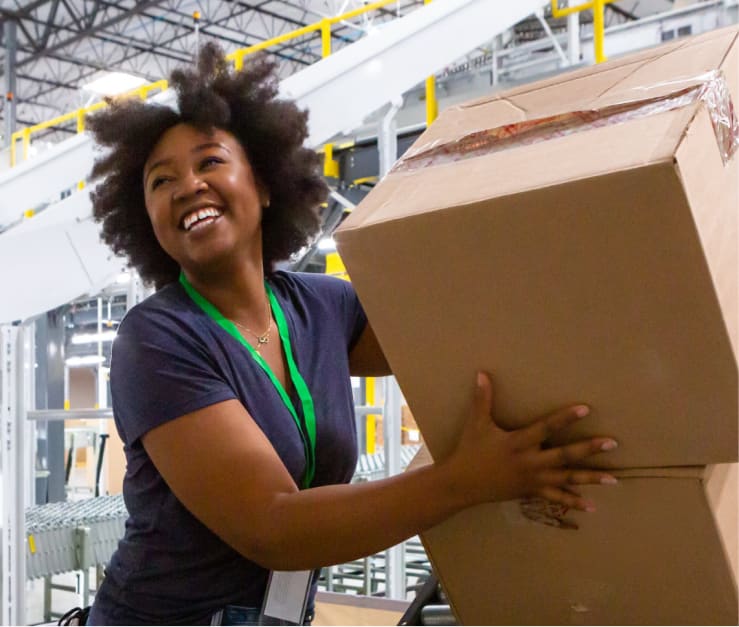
(366, 358)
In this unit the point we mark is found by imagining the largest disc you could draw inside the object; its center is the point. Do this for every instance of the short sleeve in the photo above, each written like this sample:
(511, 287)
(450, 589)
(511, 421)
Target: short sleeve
(161, 369)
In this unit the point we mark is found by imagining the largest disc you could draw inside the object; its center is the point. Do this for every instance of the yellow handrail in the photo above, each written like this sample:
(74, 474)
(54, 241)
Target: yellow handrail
(599, 24)
(324, 26)
(237, 57)
(432, 106)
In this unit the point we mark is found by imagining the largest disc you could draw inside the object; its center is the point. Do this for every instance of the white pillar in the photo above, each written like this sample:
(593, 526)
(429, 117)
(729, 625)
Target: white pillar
(391, 425)
(573, 40)
(387, 138)
(12, 438)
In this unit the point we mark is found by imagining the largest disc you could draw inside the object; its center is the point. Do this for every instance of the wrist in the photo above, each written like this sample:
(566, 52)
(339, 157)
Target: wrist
(453, 479)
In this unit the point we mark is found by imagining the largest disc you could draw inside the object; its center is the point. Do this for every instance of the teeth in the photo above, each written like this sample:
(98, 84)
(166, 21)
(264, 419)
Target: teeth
(198, 215)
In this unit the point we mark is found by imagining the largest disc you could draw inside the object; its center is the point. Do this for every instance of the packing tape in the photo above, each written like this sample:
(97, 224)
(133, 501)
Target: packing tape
(710, 88)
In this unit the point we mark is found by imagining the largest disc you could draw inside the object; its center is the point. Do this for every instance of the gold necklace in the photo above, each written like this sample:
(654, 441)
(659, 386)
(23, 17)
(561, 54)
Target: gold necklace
(262, 338)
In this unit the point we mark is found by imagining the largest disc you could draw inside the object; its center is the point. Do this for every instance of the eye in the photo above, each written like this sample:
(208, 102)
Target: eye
(210, 161)
(159, 180)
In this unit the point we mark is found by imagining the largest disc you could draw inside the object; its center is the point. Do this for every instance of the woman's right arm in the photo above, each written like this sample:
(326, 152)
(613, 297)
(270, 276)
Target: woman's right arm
(224, 470)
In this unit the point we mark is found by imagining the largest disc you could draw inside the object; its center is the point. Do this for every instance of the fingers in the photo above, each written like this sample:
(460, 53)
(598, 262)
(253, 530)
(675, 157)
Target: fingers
(567, 477)
(567, 498)
(483, 397)
(542, 429)
(571, 453)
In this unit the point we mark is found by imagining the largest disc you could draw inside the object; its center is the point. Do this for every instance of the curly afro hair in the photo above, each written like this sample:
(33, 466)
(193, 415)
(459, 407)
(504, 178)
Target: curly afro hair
(212, 95)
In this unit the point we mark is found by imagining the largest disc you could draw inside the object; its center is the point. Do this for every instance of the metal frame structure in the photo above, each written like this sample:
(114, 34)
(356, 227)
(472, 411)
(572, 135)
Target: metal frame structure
(55, 46)
(62, 44)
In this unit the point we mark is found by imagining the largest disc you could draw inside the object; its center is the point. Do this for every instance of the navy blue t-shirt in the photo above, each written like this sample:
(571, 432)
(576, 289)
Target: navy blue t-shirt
(169, 359)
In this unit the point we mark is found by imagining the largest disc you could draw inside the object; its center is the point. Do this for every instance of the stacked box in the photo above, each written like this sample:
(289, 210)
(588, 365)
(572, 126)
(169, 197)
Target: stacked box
(577, 238)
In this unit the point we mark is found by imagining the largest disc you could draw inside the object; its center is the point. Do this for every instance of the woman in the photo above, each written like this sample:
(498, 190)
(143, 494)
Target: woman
(230, 385)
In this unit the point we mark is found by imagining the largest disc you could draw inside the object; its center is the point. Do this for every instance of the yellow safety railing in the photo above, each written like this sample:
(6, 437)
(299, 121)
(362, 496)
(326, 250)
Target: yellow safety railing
(77, 115)
(599, 23)
(432, 107)
(331, 166)
(324, 26)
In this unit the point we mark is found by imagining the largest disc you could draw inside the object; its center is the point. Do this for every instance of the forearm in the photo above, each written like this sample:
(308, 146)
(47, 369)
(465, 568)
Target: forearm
(335, 524)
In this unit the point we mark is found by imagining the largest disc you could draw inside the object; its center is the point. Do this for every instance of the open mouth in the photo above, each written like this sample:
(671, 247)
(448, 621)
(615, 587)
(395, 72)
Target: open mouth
(200, 218)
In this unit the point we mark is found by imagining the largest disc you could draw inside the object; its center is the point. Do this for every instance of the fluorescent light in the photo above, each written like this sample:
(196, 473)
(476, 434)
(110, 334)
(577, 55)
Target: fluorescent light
(114, 83)
(89, 338)
(327, 244)
(85, 360)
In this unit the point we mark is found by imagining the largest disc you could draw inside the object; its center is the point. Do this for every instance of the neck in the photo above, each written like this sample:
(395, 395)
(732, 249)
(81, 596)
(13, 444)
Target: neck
(238, 293)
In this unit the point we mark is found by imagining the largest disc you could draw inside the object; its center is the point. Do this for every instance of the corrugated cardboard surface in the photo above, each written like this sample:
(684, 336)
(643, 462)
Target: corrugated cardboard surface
(595, 289)
(652, 554)
(598, 267)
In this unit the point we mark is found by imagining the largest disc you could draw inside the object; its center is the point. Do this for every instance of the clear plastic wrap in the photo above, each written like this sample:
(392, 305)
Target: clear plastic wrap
(710, 88)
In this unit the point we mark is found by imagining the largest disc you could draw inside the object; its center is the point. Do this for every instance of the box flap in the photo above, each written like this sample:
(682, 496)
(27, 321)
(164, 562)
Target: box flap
(652, 73)
(579, 156)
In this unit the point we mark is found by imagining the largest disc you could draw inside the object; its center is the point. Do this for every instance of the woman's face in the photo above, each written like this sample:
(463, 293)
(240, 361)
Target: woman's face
(203, 199)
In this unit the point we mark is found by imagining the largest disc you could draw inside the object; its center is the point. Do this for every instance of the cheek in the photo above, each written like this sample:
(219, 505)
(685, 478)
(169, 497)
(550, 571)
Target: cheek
(156, 218)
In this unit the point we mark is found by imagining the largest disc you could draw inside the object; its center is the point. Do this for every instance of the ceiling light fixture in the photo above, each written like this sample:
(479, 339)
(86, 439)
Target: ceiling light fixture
(114, 83)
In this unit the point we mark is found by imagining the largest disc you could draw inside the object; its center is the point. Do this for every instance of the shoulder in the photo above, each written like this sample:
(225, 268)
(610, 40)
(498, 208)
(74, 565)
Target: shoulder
(167, 309)
(310, 285)
(167, 322)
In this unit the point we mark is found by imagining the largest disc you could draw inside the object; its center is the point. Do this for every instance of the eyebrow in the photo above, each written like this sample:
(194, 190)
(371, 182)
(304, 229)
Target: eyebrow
(196, 149)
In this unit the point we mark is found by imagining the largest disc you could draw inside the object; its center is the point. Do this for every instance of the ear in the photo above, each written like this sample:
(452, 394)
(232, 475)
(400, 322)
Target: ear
(264, 195)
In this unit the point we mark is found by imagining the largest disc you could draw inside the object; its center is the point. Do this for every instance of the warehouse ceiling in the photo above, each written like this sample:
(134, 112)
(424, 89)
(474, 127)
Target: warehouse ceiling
(64, 44)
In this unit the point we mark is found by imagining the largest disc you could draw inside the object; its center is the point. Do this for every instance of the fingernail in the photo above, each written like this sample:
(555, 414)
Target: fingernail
(590, 508)
(480, 379)
(608, 445)
(608, 480)
(582, 411)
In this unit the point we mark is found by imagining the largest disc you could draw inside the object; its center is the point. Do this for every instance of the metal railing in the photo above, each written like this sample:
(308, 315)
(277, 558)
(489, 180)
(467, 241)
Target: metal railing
(598, 7)
(237, 57)
(78, 115)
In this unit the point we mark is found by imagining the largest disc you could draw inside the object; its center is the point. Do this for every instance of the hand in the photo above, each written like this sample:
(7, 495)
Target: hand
(492, 464)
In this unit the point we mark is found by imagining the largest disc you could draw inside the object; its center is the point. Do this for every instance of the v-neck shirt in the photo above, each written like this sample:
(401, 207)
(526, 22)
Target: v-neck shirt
(169, 359)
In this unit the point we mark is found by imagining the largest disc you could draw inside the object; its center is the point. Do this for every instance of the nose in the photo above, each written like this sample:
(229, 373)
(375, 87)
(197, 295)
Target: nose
(189, 185)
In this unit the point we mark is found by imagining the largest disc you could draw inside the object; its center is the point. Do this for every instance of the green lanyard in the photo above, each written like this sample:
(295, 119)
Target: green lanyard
(306, 400)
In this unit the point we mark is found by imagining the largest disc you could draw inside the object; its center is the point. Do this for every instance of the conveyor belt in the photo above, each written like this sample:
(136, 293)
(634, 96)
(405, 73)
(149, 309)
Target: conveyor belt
(372, 466)
(73, 535)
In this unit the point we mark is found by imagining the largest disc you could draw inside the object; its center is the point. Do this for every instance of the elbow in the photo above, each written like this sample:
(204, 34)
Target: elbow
(275, 554)
(274, 543)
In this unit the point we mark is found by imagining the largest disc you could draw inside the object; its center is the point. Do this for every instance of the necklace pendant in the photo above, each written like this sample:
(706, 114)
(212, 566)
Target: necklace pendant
(262, 339)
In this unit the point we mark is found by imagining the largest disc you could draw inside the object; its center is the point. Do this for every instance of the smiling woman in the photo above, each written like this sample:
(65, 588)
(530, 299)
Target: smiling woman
(204, 201)
(270, 131)
(231, 384)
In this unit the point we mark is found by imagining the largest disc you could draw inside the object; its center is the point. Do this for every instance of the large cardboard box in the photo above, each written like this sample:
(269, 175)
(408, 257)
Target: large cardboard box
(578, 239)
(596, 266)
(660, 550)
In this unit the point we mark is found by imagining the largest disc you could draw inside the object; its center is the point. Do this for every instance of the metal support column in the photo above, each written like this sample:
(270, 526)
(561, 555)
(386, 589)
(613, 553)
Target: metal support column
(51, 393)
(387, 138)
(12, 430)
(395, 556)
(10, 50)
(574, 48)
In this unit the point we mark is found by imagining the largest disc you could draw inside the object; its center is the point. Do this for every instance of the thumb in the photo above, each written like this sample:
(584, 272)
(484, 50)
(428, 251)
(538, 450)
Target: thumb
(484, 397)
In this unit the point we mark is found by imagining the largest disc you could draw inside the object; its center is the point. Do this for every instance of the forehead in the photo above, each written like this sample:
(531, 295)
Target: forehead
(182, 139)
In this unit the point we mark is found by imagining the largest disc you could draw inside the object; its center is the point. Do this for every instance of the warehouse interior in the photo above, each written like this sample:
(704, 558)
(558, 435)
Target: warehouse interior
(373, 76)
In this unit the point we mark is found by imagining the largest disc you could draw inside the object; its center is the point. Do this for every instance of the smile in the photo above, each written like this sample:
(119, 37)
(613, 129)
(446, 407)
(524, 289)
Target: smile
(200, 217)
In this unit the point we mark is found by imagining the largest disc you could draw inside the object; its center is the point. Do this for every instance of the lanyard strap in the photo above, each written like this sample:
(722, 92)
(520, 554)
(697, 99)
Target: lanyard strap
(306, 400)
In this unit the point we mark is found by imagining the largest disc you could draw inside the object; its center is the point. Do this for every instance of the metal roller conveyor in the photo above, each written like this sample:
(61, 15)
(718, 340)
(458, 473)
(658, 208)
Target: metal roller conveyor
(73, 535)
(372, 466)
